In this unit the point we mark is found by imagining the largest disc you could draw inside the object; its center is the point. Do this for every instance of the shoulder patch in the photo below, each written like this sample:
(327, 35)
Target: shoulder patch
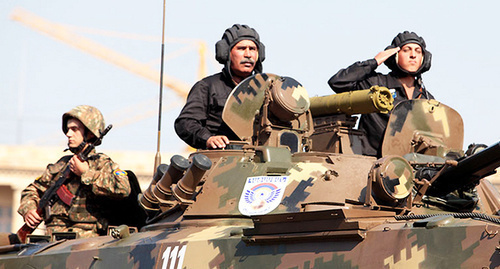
(119, 172)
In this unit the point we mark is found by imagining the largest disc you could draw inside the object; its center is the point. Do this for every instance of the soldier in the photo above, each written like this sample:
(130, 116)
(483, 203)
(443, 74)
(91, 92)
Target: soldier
(89, 180)
(407, 58)
(200, 122)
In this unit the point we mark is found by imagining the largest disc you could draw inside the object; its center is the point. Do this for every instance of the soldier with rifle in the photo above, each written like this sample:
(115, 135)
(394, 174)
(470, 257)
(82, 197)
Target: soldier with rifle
(68, 195)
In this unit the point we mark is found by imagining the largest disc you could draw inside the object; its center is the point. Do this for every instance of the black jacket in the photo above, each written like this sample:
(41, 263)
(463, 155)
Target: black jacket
(362, 75)
(201, 117)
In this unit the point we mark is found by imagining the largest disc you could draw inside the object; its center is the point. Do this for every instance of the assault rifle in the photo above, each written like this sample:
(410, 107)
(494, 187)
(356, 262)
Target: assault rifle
(59, 191)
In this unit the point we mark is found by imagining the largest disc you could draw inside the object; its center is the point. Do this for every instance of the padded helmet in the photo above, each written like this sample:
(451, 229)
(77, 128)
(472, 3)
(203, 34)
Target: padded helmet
(90, 117)
(231, 37)
(399, 41)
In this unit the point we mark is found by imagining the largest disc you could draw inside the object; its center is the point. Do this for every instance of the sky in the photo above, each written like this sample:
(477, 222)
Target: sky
(41, 77)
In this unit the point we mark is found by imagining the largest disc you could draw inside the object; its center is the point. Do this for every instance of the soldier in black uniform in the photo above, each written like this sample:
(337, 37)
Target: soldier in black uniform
(407, 58)
(200, 122)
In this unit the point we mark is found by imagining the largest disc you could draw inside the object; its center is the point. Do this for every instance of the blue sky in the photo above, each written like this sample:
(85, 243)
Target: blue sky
(41, 78)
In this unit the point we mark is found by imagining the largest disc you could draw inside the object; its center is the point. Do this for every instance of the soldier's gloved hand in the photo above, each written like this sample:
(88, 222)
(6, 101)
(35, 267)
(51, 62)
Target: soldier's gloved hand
(384, 55)
(217, 141)
(32, 218)
(77, 166)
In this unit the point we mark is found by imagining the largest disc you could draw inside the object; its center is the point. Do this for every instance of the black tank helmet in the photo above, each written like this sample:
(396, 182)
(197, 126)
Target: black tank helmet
(230, 38)
(399, 41)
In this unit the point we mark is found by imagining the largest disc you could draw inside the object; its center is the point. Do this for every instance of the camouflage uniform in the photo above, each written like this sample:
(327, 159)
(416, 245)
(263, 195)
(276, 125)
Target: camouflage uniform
(103, 180)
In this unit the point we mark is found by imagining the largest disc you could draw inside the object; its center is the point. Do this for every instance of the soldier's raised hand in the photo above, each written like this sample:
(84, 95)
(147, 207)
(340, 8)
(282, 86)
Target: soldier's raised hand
(384, 55)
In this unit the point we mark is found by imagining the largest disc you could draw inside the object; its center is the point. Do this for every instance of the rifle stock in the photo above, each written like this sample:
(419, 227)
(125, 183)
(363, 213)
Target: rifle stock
(23, 233)
(26, 230)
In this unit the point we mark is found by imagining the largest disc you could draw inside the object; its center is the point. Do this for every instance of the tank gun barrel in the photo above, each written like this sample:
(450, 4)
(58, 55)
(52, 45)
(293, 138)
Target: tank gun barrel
(375, 99)
(468, 171)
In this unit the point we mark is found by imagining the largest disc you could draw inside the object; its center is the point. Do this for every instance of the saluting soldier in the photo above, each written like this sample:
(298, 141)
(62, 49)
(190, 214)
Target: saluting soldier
(408, 58)
(80, 209)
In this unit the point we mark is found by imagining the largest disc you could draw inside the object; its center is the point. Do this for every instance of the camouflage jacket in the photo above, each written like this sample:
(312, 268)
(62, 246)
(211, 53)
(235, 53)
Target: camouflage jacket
(103, 180)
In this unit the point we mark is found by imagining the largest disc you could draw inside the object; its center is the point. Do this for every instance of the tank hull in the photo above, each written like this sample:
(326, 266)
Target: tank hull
(395, 244)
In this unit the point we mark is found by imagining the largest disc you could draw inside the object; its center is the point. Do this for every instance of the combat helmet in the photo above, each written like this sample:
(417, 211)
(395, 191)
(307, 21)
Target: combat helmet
(402, 39)
(90, 116)
(231, 37)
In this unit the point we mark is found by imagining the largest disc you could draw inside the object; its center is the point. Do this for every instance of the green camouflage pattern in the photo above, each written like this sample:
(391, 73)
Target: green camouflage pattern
(428, 126)
(462, 244)
(103, 179)
(264, 205)
(286, 99)
(245, 102)
(90, 116)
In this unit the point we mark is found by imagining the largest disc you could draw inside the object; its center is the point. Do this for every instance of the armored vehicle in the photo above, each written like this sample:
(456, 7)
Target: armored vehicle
(296, 193)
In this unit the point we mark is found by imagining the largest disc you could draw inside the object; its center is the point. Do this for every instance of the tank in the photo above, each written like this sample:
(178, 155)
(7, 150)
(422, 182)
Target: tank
(295, 193)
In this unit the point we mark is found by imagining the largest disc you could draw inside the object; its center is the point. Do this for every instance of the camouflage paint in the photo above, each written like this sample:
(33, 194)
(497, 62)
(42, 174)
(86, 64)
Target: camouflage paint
(329, 217)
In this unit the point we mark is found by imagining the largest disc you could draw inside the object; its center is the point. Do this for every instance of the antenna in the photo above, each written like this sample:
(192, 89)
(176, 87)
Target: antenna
(158, 156)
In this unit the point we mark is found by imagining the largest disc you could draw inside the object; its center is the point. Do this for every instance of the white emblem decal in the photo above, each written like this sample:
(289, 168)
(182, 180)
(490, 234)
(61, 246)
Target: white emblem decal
(262, 195)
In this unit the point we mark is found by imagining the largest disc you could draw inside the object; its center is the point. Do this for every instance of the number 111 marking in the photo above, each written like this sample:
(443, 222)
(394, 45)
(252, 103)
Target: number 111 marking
(173, 256)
